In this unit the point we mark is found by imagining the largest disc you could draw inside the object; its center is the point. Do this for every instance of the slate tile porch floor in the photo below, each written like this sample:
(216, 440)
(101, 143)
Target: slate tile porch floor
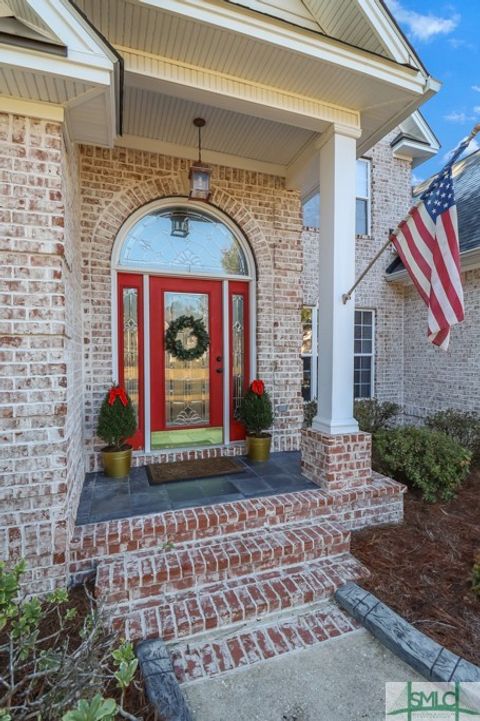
(105, 499)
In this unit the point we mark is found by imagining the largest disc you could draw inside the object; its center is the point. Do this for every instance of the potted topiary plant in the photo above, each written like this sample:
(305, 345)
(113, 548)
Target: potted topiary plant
(257, 415)
(116, 423)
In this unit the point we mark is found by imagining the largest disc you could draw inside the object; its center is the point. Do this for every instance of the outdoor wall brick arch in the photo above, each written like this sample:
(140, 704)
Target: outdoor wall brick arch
(117, 182)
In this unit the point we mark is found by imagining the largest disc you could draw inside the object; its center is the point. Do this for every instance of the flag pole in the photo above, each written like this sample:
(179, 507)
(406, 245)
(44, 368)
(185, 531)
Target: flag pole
(347, 296)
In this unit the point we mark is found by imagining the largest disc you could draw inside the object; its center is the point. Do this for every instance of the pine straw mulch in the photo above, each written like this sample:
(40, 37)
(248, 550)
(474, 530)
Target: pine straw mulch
(422, 568)
(136, 702)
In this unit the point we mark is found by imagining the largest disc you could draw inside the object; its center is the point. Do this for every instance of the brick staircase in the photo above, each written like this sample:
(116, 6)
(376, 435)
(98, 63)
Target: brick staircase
(243, 582)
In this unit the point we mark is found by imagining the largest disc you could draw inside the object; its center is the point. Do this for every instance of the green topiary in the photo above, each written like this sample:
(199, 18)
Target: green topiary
(117, 420)
(256, 409)
(373, 416)
(425, 459)
(463, 427)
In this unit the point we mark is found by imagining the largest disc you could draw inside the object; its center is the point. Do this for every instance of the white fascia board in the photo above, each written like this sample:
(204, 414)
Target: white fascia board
(64, 22)
(297, 40)
(386, 31)
(38, 62)
(426, 130)
(416, 152)
(135, 142)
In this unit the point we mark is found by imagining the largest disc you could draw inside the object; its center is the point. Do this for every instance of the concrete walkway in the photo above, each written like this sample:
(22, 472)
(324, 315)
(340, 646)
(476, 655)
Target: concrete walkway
(339, 680)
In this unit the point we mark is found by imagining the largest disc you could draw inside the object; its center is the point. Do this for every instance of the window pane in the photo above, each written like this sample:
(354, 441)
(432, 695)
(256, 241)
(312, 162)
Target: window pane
(363, 348)
(307, 378)
(361, 217)
(362, 179)
(238, 352)
(363, 377)
(187, 383)
(184, 241)
(307, 314)
(311, 212)
(130, 344)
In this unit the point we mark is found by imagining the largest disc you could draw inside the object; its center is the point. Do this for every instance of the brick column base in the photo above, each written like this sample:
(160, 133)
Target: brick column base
(336, 462)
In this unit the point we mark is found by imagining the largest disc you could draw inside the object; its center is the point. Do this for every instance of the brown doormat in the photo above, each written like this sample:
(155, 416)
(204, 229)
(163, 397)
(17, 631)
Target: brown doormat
(186, 470)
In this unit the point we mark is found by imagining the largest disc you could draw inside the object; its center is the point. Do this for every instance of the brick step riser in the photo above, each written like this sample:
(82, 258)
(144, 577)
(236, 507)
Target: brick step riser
(211, 657)
(141, 588)
(193, 615)
(84, 560)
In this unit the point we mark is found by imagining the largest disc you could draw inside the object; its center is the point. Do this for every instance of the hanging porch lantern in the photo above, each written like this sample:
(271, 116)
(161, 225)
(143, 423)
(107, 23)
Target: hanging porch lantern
(199, 172)
(179, 223)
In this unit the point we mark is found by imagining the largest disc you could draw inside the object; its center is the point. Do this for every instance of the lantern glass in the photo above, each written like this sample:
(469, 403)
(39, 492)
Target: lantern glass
(179, 225)
(200, 181)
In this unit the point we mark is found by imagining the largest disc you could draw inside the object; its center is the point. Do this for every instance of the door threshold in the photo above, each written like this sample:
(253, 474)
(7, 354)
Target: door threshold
(188, 449)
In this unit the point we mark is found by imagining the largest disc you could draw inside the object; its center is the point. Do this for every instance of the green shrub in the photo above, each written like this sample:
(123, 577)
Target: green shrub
(422, 458)
(54, 663)
(464, 428)
(309, 413)
(117, 420)
(256, 409)
(373, 416)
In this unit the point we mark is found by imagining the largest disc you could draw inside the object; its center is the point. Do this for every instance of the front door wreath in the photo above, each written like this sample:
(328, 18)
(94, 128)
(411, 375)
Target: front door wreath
(197, 329)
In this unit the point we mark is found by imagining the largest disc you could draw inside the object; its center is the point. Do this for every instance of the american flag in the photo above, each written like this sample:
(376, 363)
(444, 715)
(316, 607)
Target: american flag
(427, 242)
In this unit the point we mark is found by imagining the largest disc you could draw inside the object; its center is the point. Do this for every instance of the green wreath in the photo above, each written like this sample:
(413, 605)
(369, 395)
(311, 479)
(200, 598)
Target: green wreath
(197, 328)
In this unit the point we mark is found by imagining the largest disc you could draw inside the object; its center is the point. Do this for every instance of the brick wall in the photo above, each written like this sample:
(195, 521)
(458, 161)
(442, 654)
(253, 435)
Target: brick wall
(40, 405)
(117, 182)
(435, 379)
(390, 192)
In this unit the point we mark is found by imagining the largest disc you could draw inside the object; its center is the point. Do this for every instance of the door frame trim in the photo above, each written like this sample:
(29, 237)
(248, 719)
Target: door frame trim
(146, 273)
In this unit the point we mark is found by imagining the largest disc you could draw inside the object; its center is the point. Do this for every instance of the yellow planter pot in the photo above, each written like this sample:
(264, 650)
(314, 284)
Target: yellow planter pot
(116, 464)
(258, 449)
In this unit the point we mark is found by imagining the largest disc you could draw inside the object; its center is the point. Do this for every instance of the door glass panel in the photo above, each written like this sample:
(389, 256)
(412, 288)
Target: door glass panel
(130, 344)
(187, 383)
(238, 347)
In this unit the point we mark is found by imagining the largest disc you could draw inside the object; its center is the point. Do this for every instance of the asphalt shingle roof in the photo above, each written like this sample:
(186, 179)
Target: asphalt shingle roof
(466, 184)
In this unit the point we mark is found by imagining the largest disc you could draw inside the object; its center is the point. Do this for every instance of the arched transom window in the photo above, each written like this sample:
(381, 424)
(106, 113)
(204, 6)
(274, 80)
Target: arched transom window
(179, 239)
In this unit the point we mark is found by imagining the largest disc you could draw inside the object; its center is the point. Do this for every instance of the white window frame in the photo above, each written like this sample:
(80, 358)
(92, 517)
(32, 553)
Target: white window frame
(314, 354)
(368, 355)
(367, 197)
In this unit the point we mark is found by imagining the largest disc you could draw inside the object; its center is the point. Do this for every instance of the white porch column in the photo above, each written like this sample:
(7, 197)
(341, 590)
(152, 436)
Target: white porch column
(337, 274)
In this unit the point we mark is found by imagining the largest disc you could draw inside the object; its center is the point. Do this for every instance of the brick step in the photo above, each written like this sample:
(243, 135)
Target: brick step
(95, 541)
(235, 601)
(212, 655)
(143, 574)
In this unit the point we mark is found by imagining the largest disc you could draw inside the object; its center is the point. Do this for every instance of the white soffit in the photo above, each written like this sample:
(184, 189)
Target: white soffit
(82, 79)
(169, 119)
(415, 140)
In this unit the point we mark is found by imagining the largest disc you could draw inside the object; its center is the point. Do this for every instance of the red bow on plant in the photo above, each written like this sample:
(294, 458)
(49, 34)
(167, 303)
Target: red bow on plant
(117, 392)
(258, 387)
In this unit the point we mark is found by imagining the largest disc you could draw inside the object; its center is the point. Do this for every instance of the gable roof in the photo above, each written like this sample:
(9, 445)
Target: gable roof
(466, 185)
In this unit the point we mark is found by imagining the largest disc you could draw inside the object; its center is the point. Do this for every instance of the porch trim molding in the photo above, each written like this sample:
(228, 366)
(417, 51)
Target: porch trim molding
(32, 108)
(153, 72)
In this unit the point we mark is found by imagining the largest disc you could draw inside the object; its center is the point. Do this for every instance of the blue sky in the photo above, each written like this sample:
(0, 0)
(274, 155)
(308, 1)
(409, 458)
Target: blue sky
(446, 35)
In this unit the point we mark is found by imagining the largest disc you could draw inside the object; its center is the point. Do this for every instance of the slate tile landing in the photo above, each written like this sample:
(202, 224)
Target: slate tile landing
(105, 499)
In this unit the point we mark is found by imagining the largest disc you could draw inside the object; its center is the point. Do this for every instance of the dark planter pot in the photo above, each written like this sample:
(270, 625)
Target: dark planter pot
(258, 447)
(117, 464)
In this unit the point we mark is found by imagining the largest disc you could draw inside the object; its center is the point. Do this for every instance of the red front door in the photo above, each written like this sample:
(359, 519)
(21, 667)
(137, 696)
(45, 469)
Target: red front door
(186, 396)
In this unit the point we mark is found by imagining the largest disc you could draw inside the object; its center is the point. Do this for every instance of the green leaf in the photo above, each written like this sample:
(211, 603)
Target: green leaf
(97, 709)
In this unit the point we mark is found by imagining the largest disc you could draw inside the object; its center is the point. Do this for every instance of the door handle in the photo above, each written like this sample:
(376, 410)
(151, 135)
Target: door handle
(219, 370)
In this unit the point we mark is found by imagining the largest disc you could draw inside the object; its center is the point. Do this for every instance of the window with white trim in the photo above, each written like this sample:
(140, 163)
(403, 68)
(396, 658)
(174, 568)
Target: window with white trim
(311, 206)
(364, 359)
(308, 352)
(362, 203)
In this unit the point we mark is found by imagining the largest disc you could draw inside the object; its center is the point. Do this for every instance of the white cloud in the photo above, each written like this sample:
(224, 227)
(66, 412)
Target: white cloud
(476, 87)
(476, 109)
(457, 117)
(472, 147)
(416, 179)
(423, 27)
